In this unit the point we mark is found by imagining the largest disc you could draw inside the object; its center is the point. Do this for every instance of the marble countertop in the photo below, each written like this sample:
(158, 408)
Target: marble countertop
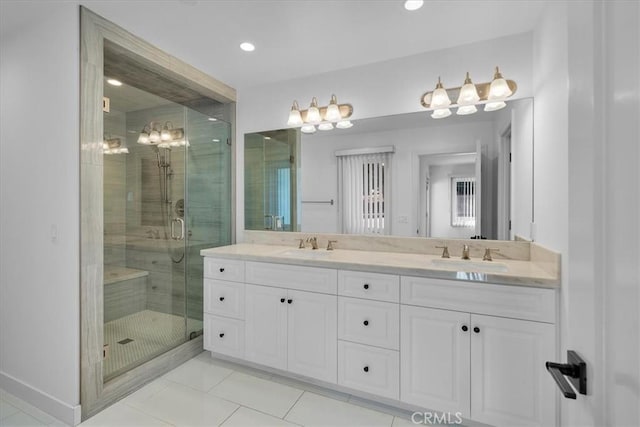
(507, 272)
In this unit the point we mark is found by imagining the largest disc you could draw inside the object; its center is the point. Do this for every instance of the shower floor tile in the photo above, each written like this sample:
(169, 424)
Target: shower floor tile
(141, 336)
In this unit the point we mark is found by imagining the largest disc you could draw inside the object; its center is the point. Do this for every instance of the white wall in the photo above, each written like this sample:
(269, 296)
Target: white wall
(586, 67)
(319, 168)
(381, 89)
(39, 189)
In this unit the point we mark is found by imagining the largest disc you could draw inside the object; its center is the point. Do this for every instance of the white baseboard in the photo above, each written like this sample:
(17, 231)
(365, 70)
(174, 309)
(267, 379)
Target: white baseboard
(69, 414)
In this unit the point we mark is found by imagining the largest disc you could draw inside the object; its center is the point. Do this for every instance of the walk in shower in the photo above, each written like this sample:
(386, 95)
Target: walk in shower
(167, 195)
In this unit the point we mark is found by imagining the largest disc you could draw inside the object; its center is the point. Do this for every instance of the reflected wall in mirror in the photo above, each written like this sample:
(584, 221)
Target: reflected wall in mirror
(459, 177)
(271, 166)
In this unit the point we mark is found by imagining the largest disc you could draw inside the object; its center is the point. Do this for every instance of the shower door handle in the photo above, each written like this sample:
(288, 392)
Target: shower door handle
(173, 223)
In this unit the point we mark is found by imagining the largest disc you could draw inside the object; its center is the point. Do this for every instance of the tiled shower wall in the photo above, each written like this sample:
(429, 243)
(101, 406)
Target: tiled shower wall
(136, 233)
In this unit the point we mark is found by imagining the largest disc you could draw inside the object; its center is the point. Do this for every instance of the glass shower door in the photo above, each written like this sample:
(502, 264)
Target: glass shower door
(208, 203)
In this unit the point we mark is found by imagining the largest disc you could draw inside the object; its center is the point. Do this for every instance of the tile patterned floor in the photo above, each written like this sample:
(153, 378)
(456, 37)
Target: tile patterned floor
(210, 392)
(151, 333)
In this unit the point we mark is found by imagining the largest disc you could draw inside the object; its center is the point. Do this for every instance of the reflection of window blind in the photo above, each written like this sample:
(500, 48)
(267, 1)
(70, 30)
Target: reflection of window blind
(463, 202)
(364, 187)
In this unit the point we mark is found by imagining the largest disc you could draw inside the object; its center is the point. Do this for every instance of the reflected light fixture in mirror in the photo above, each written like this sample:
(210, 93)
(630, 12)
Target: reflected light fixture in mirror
(492, 95)
(165, 136)
(322, 117)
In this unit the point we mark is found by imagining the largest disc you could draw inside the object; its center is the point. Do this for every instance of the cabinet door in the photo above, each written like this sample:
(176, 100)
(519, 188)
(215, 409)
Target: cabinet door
(266, 325)
(434, 359)
(509, 383)
(313, 341)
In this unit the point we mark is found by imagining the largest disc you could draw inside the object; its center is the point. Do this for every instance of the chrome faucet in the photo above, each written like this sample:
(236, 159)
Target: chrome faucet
(313, 241)
(465, 252)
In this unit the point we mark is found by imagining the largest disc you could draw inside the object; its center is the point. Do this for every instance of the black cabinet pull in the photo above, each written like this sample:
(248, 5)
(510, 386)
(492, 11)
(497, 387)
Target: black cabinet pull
(366, 369)
(221, 269)
(476, 330)
(365, 323)
(221, 298)
(281, 299)
(222, 335)
(464, 328)
(289, 301)
(366, 286)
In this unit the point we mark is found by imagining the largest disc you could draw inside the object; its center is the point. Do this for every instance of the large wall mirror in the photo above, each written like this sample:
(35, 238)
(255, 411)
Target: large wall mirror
(403, 175)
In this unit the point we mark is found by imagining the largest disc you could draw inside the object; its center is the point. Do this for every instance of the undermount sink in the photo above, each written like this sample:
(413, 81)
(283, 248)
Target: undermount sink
(306, 253)
(470, 266)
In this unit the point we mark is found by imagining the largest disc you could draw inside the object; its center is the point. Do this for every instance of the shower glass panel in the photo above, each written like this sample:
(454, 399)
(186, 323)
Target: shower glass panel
(167, 184)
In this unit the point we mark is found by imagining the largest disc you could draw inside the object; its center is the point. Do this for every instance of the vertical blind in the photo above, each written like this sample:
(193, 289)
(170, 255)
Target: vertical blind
(364, 193)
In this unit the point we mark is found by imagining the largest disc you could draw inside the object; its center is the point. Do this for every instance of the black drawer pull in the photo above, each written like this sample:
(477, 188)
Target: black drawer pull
(222, 335)
(365, 323)
(476, 330)
(281, 299)
(366, 286)
(289, 301)
(221, 298)
(464, 328)
(221, 269)
(366, 369)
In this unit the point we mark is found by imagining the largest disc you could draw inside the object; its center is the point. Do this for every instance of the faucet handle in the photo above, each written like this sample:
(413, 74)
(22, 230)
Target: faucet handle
(445, 251)
(487, 254)
(301, 245)
(330, 244)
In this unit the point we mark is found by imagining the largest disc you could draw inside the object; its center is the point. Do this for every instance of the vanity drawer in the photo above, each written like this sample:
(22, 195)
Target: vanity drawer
(370, 369)
(369, 322)
(224, 298)
(313, 279)
(376, 286)
(516, 302)
(224, 335)
(224, 269)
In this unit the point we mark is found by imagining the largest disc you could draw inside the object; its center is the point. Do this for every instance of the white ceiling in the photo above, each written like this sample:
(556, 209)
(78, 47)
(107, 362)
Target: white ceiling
(298, 38)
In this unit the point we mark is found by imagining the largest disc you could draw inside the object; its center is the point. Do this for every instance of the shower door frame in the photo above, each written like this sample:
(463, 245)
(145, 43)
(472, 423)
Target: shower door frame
(95, 395)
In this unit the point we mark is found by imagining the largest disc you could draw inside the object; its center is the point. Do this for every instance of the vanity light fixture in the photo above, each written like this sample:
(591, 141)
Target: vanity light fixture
(322, 117)
(492, 94)
(165, 136)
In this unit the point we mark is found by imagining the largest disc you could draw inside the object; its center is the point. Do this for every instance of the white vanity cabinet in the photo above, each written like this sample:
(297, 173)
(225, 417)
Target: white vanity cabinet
(477, 349)
(292, 329)
(369, 332)
(490, 368)
(224, 306)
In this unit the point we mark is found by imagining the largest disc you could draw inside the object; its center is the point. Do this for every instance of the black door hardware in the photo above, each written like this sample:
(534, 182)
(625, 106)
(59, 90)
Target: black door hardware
(575, 370)
(289, 301)
(222, 335)
(221, 270)
(221, 298)
(366, 369)
(366, 323)
(366, 286)
(464, 328)
(476, 330)
(281, 299)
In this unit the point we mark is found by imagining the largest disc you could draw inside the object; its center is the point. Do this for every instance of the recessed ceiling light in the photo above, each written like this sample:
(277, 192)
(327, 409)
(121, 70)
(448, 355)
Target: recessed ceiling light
(247, 47)
(212, 119)
(413, 4)
(215, 140)
(114, 82)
